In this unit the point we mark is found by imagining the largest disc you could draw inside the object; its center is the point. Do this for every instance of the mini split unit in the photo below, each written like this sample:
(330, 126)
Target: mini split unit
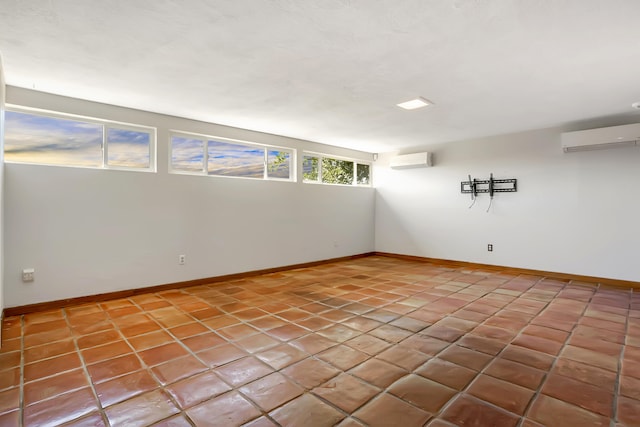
(597, 139)
(407, 161)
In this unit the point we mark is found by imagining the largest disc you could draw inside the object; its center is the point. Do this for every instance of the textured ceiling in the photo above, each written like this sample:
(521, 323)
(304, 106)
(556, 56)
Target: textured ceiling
(332, 71)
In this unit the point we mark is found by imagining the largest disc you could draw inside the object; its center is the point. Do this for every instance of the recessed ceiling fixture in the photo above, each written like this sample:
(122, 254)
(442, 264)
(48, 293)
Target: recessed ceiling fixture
(415, 103)
(636, 105)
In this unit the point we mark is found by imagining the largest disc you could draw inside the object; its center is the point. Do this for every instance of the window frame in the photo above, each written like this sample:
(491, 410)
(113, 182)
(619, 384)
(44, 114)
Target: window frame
(356, 162)
(106, 125)
(205, 156)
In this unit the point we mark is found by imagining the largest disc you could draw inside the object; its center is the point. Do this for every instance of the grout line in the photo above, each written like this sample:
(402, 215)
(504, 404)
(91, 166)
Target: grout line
(86, 372)
(617, 387)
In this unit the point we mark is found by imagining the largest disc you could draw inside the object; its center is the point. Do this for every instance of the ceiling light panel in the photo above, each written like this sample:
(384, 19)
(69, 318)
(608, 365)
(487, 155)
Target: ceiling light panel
(415, 103)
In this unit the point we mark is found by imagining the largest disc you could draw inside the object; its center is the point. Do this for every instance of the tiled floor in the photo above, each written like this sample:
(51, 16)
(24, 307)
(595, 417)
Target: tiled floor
(374, 341)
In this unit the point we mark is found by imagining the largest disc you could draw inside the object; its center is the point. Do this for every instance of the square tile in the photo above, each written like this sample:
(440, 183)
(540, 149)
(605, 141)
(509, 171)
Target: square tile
(61, 409)
(553, 412)
(346, 392)
(468, 411)
(55, 385)
(124, 387)
(221, 355)
(243, 371)
(226, 410)
(312, 343)
(465, 357)
(377, 372)
(177, 369)
(271, 391)
(427, 395)
(196, 389)
(307, 410)
(343, 357)
(368, 344)
(501, 393)
(387, 410)
(587, 396)
(515, 373)
(447, 373)
(310, 372)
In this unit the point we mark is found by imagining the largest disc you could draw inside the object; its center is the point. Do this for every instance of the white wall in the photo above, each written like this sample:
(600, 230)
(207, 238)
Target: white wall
(573, 213)
(88, 231)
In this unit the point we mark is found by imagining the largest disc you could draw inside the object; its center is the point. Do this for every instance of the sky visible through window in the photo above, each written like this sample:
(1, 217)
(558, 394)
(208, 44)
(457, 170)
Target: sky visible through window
(228, 158)
(34, 138)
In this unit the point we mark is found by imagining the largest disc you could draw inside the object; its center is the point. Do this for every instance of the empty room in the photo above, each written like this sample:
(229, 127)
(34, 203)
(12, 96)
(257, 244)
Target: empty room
(320, 213)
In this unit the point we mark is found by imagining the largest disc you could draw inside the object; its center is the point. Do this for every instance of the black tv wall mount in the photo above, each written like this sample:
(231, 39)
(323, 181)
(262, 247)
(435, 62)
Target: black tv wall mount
(491, 185)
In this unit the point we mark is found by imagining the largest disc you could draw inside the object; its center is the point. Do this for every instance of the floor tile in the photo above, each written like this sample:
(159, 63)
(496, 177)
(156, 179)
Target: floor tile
(221, 355)
(313, 343)
(424, 344)
(112, 368)
(404, 357)
(590, 357)
(528, 357)
(271, 391)
(52, 366)
(368, 344)
(9, 400)
(164, 353)
(387, 410)
(196, 389)
(310, 372)
(447, 373)
(203, 342)
(346, 392)
(61, 409)
(468, 411)
(307, 410)
(556, 413)
(465, 357)
(45, 351)
(586, 373)
(243, 371)
(587, 396)
(124, 387)
(177, 369)
(343, 357)
(52, 386)
(515, 373)
(256, 343)
(377, 372)
(508, 396)
(628, 411)
(107, 351)
(427, 395)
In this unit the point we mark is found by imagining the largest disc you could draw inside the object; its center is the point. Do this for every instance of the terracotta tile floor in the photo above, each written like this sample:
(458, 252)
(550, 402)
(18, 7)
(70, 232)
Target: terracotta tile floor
(373, 341)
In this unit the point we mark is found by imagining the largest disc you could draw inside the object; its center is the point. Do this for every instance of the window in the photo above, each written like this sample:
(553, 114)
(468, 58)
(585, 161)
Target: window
(56, 139)
(226, 157)
(328, 170)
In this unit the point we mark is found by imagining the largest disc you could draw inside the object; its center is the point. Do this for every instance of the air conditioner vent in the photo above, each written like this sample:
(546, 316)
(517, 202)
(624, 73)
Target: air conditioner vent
(601, 138)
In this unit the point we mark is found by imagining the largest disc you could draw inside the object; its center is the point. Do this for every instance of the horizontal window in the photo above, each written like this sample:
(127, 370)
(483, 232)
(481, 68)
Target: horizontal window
(54, 139)
(225, 157)
(328, 170)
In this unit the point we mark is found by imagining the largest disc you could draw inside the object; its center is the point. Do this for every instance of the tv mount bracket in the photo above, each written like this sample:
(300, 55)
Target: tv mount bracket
(477, 186)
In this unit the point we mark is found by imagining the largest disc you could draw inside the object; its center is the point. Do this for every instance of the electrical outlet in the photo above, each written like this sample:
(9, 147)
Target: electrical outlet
(28, 275)
(182, 259)
(490, 247)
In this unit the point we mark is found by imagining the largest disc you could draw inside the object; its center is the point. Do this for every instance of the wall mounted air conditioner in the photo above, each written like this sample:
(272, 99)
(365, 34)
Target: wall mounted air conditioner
(415, 160)
(596, 139)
